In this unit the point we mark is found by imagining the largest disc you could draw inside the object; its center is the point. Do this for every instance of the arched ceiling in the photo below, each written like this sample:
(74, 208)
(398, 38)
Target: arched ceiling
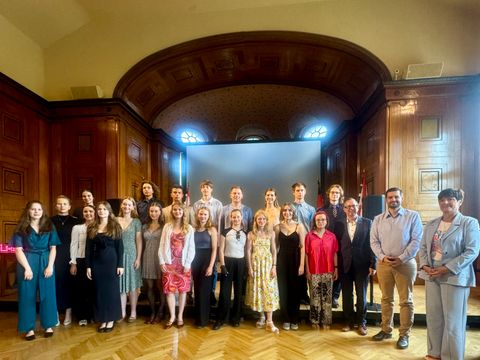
(273, 78)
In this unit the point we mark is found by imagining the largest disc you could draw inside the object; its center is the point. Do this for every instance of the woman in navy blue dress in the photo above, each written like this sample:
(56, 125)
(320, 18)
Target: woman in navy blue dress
(35, 240)
(104, 261)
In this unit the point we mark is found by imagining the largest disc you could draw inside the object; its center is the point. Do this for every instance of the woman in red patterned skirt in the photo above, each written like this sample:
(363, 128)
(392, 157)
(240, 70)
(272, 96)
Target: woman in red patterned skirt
(176, 253)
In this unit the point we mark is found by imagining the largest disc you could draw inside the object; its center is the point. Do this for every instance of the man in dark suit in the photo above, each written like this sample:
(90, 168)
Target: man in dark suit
(334, 210)
(358, 263)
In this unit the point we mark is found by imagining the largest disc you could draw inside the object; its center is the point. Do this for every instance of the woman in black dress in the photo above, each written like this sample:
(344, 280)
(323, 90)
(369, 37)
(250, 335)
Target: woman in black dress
(64, 224)
(290, 236)
(205, 238)
(103, 257)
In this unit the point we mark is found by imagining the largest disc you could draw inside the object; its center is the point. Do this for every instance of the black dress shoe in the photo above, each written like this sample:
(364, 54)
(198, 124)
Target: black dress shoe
(217, 325)
(101, 329)
(402, 342)
(48, 334)
(382, 335)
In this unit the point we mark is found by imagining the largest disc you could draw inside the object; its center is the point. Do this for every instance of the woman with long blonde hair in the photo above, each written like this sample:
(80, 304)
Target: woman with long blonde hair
(262, 288)
(131, 281)
(176, 253)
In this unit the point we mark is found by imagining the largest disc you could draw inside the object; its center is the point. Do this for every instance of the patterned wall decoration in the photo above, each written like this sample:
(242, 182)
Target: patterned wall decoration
(13, 181)
(283, 110)
(12, 128)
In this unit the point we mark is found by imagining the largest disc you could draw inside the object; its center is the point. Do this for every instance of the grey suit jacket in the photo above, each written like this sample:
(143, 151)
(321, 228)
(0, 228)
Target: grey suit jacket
(460, 246)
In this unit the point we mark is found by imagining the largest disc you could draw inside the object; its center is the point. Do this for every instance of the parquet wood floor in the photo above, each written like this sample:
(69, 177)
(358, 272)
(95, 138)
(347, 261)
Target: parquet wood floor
(140, 341)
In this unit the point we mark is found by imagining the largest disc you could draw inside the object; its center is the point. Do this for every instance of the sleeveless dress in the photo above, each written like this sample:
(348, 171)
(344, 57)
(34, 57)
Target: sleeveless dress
(288, 262)
(131, 279)
(202, 284)
(262, 290)
(174, 279)
(150, 261)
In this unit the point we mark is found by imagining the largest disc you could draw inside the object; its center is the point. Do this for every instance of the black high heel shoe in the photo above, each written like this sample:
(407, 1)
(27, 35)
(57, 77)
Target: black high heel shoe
(109, 329)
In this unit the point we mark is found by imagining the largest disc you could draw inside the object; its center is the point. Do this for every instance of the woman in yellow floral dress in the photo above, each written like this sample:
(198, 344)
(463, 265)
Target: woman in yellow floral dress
(262, 288)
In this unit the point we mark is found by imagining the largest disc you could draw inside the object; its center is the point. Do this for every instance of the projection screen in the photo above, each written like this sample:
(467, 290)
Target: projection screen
(255, 167)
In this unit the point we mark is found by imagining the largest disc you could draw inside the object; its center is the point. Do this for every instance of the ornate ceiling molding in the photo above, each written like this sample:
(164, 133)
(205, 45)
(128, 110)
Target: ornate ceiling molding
(337, 67)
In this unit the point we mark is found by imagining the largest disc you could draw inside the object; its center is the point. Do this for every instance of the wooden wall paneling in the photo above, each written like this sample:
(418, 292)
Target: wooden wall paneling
(112, 165)
(372, 152)
(134, 160)
(42, 163)
(344, 69)
(470, 152)
(423, 158)
(336, 164)
(351, 182)
(23, 153)
(58, 175)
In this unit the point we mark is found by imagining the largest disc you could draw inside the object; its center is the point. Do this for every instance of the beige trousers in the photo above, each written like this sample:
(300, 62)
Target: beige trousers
(402, 277)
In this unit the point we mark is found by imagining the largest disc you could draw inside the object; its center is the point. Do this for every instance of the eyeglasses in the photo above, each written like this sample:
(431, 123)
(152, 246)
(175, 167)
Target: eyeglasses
(237, 235)
(350, 206)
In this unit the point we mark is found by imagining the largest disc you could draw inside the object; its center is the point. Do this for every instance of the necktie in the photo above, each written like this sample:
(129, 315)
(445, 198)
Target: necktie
(335, 211)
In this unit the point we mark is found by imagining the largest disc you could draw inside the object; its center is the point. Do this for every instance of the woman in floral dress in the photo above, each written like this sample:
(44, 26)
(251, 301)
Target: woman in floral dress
(262, 288)
(176, 253)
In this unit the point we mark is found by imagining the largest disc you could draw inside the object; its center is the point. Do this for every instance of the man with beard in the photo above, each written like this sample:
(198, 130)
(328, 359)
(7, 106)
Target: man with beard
(395, 240)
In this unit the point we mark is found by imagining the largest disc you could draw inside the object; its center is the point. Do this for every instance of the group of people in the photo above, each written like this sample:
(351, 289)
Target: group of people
(267, 257)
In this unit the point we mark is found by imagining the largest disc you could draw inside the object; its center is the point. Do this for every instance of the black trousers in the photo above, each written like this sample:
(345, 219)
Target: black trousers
(83, 293)
(236, 273)
(360, 280)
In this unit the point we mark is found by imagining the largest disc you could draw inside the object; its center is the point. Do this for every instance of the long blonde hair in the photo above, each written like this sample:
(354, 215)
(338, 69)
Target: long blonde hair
(255, 226)
(209, 224)
(184, 221)
(134, 213)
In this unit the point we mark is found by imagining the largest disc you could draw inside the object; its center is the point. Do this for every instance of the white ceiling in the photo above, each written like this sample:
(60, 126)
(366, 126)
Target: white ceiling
(47, 21)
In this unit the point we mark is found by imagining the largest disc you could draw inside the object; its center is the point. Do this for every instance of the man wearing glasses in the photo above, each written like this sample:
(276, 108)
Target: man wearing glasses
(358, 264)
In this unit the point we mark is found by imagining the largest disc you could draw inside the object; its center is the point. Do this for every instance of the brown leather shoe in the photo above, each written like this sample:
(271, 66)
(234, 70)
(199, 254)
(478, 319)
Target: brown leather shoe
(362, 330)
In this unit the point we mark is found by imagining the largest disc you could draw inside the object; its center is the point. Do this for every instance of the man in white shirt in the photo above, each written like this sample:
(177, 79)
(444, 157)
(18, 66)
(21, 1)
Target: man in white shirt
(208, 201)
(176, 193)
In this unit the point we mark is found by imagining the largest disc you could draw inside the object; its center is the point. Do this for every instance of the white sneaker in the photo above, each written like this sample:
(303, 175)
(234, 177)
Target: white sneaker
(83, 322)
(286, 326)
(294, 326)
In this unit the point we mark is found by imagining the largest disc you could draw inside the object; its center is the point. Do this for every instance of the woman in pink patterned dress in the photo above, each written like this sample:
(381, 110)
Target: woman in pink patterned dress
(176, 253)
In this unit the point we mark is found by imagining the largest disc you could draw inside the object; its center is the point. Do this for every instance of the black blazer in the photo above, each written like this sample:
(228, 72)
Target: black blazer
(332, 220)
(357, 252)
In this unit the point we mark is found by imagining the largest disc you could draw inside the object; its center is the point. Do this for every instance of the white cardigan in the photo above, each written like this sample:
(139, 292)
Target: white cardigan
(165, 253)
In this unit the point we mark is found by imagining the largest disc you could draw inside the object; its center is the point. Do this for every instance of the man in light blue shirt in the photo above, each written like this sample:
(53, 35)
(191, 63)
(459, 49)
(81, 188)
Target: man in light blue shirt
(305, 212)
(236, 195)
(395, 240)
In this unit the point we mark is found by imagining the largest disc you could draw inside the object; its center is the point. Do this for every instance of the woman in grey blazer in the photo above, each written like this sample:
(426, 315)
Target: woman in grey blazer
(449, 246)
